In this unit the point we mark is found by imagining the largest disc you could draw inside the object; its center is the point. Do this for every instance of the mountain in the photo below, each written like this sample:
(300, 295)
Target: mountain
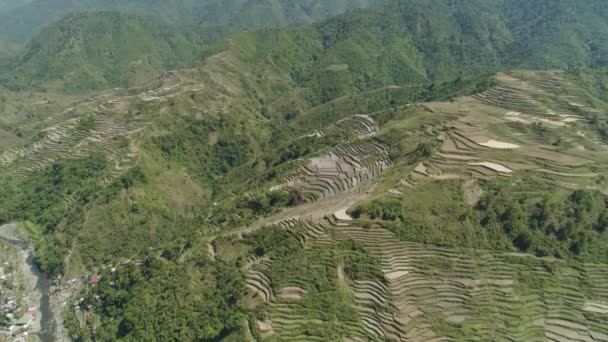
(442, 38)
(389, 174)
(273, 13)
(23, 19)
(566, 32)
(412, 41)
(100, 50)
(402, 42)
(203, 22)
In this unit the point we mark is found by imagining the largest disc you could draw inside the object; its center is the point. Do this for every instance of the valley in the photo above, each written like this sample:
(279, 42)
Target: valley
(370, 171)
(25, 290)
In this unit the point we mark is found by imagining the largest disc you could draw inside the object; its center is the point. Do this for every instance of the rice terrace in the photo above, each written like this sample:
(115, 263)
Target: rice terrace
(370, 170)
(410, 291)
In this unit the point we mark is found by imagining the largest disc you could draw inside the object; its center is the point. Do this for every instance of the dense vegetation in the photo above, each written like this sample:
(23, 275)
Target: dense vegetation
(22, 19)
(159, 299)
(553, 226)
(559, 225)
(45, 193)
(92, 51)
(42, 201)
(358, 263)
(187, 26)
(53, 201)
(402, 42)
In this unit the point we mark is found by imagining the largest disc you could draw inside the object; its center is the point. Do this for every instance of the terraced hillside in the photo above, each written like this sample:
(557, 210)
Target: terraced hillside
(419, 262)
(366, 178)
(331, 277)
(346, 165)
(429, 293)
(103, 123)
(531, 123)
(384, 287)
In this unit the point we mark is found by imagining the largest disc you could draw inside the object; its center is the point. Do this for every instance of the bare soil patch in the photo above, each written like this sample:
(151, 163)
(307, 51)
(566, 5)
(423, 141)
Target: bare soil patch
(292, 293)
(343, 215)
(499, 145)
(456, 156)
(472, 192)
(601, 308)
(493, 166)
(265, 326)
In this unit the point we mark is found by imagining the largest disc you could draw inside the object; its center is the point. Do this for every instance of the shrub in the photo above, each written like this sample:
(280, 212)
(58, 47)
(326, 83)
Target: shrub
(87, 122)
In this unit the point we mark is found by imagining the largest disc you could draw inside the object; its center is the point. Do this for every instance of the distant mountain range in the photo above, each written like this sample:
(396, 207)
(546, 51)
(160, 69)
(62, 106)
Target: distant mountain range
(407, 41)
(22, 19)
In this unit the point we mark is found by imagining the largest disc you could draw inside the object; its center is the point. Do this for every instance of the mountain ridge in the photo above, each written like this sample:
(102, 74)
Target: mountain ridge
(23, 21)
(404, 42)
(90, 51)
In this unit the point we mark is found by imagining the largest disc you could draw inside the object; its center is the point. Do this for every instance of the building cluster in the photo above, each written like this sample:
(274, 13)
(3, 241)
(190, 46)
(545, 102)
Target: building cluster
(16, 316)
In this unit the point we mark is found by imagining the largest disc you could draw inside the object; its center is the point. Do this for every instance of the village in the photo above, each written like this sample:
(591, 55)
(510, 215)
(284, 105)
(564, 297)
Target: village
(17, 312)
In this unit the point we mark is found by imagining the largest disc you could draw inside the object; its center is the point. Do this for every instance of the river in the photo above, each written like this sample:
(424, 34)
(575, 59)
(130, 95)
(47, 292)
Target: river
(38, 289)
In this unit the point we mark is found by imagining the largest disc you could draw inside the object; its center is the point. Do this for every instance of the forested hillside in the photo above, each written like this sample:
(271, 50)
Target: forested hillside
(100, 50)
(413, 42)
(569, 32)
(20, 20)
(402, 42)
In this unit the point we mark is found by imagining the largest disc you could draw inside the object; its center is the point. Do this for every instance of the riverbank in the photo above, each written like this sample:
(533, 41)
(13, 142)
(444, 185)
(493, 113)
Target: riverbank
(58, 298)
(32, 317)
